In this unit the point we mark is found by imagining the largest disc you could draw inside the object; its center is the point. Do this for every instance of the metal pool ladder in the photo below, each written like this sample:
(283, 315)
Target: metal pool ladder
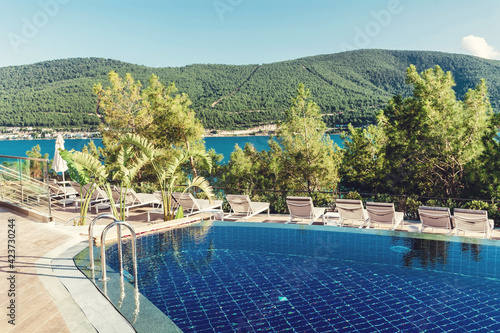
(120, 257)
(91, 237)
(118, 224)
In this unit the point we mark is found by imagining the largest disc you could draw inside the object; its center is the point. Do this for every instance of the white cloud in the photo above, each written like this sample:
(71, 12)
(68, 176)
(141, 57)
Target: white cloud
(477, 46)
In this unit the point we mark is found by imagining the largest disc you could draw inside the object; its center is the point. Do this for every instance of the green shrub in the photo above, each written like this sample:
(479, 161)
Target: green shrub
(353, 195)
(322, 199)
(383, 198)
(433, 203)
(277, 202)
(451, 204)
(477, 205)
(411, 208)
(494, 213)
(145, 187)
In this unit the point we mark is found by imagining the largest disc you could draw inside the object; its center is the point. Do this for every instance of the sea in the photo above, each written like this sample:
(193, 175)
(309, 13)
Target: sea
(222, 145)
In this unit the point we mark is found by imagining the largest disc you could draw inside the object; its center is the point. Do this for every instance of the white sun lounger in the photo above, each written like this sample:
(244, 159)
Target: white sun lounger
(472, 220)
(242, 206)
(384, 213)
(435, 217)
(303, 208)
(351, 211)
(133, 200)
(191, 205)
(62, 194)
(98, 195)
(57, 191)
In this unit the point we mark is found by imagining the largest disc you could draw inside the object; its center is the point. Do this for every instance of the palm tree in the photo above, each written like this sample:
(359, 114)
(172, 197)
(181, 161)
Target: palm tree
(85, 169)
(167, 170)
(127, 166)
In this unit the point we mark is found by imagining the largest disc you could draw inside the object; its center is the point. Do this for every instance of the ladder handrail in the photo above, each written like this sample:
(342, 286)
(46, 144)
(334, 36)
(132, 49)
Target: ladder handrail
(134, 250)
(91, 234)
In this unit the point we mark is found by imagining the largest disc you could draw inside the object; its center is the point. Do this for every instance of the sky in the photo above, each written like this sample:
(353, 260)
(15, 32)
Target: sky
(171, 33)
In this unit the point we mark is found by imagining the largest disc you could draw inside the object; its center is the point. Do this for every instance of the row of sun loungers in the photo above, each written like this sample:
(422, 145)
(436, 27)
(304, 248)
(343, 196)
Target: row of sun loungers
(99, 198)
(241, 206)
(462, 220)
(466, 220)
(350, 212)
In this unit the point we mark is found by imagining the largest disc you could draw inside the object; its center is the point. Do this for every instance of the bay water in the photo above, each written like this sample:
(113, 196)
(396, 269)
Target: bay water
(222, 145)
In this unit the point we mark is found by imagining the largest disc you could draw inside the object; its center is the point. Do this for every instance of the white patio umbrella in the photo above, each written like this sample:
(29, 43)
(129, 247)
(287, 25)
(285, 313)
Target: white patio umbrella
(58, 164)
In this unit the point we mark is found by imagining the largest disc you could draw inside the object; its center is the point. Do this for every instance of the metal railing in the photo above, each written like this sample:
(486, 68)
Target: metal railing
(91, 238)
(104, 277)
(119, 224)
(24, 183)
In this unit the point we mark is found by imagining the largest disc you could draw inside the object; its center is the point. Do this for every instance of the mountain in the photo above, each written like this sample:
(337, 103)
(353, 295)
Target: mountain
(349, 87)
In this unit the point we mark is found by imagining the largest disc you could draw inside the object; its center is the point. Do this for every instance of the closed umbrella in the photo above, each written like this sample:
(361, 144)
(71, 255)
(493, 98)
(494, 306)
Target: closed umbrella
(58, 164)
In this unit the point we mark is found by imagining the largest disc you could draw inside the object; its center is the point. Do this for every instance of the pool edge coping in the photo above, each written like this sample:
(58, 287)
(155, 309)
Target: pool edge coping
(81, 305)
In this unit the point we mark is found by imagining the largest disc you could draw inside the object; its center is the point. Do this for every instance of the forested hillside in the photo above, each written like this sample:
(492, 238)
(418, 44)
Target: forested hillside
(349, 87)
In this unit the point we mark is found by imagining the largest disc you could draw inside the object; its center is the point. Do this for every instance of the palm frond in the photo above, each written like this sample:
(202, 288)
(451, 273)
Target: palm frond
(91, 164)
(201, 154)
(202, 184)
(143, 144)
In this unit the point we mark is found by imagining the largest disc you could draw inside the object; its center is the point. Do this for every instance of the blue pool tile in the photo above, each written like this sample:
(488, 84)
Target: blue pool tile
(203, 329)
(358, 321)
(365, 328)
(408, 326)
(368, 289)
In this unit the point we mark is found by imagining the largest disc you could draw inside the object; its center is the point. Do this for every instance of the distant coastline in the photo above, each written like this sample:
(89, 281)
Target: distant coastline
(13, 134)
(31, 133)
(264, 130)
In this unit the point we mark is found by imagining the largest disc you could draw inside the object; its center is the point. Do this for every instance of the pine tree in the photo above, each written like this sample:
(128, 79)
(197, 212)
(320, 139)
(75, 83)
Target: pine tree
(308, 156)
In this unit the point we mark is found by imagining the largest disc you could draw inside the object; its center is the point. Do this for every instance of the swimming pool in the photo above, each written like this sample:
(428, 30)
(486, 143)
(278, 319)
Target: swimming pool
(248, 277)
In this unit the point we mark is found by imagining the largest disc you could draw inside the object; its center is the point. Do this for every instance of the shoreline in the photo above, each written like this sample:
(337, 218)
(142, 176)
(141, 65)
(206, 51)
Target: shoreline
(65, 139)
(264, 130)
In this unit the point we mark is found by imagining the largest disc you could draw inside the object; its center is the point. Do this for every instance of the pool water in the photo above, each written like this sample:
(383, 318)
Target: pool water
(247, 277)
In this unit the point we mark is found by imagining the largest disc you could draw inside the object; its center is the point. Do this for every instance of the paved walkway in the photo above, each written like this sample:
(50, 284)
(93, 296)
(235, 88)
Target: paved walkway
(36, 244)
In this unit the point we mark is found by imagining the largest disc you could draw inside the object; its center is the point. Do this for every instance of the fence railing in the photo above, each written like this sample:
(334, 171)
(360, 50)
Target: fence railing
(24, 183)
(404, 203)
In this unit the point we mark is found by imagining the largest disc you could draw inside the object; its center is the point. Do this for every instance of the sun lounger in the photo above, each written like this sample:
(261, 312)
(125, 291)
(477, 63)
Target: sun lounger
(303, 208)
(384, 213)
(132, 200)
(57, 191)
(191, 206)
(140, 199)
(435, 217)
(62, 194)
(241, 205)
(98, 195)
(351, 211)
(472, 220)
